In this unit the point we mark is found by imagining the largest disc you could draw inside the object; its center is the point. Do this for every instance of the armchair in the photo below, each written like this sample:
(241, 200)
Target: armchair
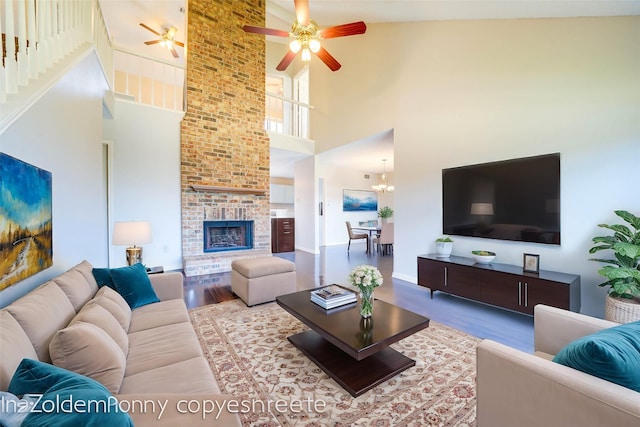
(518, 388)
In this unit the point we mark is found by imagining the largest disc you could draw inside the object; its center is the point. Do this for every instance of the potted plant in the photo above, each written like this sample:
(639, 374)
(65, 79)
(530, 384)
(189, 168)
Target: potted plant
(623, 271)
(444, 246)
(385, 213)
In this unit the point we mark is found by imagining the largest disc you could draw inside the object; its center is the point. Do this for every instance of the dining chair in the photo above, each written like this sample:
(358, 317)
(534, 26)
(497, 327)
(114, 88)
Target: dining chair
(355, 236)
(384, 242)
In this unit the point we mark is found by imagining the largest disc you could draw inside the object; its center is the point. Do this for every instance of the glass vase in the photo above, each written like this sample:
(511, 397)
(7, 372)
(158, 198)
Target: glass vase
(366, 302)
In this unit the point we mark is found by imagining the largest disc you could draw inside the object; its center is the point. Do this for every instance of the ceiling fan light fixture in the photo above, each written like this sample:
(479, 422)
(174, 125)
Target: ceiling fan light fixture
(295, 45)
(306, 54)
(314, 45)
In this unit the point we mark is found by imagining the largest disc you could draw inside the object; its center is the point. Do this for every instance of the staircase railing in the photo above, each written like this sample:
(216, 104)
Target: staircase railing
(38, 34)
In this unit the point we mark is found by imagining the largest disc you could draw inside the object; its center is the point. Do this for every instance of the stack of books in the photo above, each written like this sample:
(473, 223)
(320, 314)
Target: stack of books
(332, 296)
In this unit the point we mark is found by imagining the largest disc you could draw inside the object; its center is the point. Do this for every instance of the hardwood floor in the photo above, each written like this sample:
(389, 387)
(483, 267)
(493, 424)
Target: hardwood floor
(334, 263)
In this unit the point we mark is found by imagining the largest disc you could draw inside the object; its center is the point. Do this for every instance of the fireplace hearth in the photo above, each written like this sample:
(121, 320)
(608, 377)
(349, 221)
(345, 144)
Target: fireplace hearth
(220, 236)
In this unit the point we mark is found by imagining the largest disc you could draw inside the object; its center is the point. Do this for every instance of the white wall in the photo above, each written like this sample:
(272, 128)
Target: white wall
(145, 145)
(467, 92)
(338, 179)
(305, 204)
(62, 133)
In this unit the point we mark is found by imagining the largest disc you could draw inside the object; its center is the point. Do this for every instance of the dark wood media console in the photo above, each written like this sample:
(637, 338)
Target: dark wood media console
(502, 285)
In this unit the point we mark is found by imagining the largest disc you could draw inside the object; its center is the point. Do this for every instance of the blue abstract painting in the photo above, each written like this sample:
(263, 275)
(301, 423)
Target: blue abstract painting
(26, 237)
(359, 200)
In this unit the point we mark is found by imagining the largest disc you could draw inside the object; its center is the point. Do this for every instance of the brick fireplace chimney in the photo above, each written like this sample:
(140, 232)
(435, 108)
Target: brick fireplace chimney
(224, 147)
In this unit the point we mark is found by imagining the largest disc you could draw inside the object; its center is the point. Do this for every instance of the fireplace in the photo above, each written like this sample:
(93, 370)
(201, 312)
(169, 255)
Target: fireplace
(222, 236)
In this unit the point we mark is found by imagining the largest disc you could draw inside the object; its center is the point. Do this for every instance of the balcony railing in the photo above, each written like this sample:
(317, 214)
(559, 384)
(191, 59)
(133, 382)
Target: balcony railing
(287, 116)
(149, 81)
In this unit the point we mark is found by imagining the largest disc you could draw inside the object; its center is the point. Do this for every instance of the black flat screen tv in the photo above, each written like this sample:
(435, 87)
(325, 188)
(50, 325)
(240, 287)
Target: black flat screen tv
(516, 200)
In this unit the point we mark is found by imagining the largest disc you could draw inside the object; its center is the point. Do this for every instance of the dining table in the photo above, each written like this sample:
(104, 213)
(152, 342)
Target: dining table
(369, 229)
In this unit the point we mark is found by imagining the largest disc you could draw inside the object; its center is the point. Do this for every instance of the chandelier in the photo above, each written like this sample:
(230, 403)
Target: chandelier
(383, 186)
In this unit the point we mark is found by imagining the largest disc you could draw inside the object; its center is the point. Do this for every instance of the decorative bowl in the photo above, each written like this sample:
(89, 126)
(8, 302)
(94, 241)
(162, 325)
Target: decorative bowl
(483, 257)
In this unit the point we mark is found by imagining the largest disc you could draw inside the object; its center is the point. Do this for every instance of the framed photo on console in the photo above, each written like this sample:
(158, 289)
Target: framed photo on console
(531, 263)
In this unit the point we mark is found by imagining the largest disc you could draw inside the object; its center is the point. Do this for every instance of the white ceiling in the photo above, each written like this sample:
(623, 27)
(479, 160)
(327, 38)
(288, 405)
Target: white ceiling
(123, 18)
(333, 12)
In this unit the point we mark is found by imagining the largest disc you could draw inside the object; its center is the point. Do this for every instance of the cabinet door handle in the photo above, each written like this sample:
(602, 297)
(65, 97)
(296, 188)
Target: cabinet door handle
(526, 294)
(445, 276)
(519, 293)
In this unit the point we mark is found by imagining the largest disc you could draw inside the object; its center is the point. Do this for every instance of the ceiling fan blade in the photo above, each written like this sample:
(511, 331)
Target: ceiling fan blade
(150, 29)
(150, 42)
(326, 57)
(174, 53)
(177, 43)
(288, 58)
(302, 11)
(344, 30)
(267, 31)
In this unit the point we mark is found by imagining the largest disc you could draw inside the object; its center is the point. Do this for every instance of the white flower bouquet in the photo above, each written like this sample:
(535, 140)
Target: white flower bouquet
(366, 278)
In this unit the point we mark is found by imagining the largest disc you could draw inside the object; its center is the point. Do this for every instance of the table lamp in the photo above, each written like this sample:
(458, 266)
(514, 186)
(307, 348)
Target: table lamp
(132, 233)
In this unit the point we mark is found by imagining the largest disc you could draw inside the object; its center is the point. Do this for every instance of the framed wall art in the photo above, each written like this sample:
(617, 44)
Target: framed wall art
(531, 263)
(359, 201)
(26, 235)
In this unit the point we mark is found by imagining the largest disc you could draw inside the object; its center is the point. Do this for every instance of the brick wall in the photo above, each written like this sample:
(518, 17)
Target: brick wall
(223, 140)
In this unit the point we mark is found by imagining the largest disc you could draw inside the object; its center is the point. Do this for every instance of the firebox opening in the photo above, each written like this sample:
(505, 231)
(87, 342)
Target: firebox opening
(227, 235)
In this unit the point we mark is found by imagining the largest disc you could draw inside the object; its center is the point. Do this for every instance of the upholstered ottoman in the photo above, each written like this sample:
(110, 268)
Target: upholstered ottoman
(262, 279)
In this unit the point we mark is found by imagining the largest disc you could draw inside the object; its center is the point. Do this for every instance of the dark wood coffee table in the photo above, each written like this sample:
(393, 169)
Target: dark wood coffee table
(352, 351)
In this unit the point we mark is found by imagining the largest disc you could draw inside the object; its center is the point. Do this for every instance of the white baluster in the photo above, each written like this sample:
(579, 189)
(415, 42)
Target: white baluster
(3, 74)
(32, 36)
(10, 60)
(23, 62)
(55, 30)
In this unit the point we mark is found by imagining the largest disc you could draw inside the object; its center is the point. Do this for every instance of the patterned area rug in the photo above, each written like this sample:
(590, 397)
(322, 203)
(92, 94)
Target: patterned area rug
(252, 360)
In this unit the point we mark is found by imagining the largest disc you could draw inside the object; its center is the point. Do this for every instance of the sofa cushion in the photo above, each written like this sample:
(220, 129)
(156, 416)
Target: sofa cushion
(47, 302)
(159, 314)
(15, 346)
(86, 268)
(612, 354)
(113, 302)
(188, 376)
(59, 385)
(132, 282)
(74, 284)
(97, 315)
(88, 350)
(161, 346)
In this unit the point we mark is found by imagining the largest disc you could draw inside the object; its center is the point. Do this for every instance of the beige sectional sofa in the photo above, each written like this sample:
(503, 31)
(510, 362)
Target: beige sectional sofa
(148, 353)
(515, 388)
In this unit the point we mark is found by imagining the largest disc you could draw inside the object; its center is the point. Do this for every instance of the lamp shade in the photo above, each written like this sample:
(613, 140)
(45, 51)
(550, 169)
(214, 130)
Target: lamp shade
(481, 208)
(131, 233)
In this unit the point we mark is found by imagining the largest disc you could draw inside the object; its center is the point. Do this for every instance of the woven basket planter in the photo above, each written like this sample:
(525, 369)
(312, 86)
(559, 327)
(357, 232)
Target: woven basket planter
(622, 310)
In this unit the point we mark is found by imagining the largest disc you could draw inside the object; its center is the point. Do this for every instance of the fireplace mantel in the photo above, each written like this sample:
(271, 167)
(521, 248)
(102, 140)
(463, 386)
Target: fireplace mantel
(215, 189)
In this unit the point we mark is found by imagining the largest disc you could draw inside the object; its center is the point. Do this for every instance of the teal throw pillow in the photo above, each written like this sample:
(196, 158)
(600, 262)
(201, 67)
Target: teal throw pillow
(68, 399)
(133, 284)
(103, 277)
(612, 354)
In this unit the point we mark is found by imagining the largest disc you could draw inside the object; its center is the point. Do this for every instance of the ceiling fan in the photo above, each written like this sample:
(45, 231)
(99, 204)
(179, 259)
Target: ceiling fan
(305, 35)
(166, 39)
